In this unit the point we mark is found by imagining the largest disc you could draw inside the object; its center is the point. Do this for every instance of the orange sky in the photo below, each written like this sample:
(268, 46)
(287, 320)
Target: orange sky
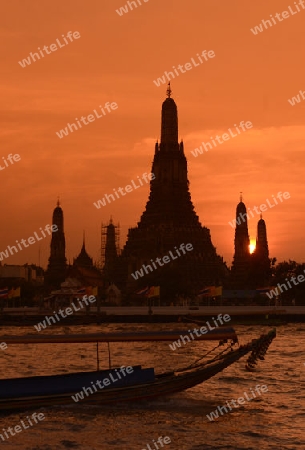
(116, 59)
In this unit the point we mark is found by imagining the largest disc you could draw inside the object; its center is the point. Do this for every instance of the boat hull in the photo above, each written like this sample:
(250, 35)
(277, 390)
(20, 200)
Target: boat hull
(164, 385)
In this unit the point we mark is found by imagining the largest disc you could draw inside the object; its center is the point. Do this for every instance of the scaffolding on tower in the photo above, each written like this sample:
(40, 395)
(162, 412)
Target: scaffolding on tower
(110, 242)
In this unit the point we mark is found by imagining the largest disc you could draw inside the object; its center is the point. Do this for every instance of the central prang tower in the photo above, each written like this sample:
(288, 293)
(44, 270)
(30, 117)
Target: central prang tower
(170, 220)
(170, 202)
(57, 267)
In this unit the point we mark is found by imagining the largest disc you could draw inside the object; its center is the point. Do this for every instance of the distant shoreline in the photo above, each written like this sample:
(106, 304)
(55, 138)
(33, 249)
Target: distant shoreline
(274, 318)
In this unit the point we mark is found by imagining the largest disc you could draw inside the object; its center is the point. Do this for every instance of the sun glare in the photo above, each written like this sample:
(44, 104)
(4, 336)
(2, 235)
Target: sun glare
(252, 246)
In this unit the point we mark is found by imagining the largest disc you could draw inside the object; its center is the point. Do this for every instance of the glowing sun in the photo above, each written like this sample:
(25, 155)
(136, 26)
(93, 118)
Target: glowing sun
(252, 245)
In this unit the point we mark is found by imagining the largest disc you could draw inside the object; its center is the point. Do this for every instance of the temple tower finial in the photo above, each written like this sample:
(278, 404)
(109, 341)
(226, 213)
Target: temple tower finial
(241, 196)
(169, 123)
(168, 90)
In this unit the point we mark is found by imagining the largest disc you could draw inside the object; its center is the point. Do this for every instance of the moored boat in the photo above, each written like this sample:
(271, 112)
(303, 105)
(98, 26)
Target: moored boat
(140, 384)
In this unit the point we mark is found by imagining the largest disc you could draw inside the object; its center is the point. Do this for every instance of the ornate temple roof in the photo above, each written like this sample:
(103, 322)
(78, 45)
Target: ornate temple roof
(83, 259)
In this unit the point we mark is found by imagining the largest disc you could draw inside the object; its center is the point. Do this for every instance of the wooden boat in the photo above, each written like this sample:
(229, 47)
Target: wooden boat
(38, 391)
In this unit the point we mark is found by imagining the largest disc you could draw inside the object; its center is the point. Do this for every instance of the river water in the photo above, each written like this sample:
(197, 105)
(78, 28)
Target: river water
(273, 420)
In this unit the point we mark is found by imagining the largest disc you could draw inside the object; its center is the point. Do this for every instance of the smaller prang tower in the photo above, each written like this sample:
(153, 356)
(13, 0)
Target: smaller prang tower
(261, 248)
(241, 262)
(56, 272)
(110, 251)
(261, 265)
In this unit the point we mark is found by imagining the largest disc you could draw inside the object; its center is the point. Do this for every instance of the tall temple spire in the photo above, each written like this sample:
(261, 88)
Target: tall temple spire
(242, 240)
(57, 266)
(170, 220)
(261, 239)
(110, 250)
(261, 267)
(241, 261)
(169, 123)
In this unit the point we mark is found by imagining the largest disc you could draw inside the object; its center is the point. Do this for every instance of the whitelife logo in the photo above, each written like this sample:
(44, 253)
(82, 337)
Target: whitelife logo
(294, 100)
(259, 209)
(166, 259)
(129, 5)
(24, 425)
(241, 401)
(102, 383)
(109, 106)
(278, 290)
(31, 240)
(11, 158)
(42, 325)
(284, 15)
(201, 331)
(53, 47)
(187, 66)
(161, 441)
(3, 346)
(128, 188)
(226, 136)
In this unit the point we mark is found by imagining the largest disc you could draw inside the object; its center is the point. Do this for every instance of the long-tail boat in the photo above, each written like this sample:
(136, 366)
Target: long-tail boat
(136, 384)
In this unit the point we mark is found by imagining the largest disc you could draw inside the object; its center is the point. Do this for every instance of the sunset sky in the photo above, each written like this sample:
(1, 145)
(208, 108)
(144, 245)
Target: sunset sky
(116, 59)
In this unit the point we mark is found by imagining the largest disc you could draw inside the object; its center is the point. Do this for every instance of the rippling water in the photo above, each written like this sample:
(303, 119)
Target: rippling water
(275, 420)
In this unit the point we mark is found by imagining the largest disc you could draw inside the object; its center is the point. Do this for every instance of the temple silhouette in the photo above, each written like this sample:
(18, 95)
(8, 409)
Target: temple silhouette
(249, 270)
(83, 268)
(242, 258)
(169, 220)
(57, 267)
